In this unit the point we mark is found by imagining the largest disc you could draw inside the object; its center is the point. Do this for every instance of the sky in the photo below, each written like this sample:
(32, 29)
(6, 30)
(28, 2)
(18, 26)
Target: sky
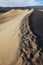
(19, 3)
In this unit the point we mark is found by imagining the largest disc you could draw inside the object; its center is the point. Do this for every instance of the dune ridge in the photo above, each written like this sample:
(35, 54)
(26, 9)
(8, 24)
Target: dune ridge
(10, 34)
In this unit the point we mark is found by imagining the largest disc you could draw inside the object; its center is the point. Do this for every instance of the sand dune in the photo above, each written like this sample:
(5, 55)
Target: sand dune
(10, 15)
(10, 34)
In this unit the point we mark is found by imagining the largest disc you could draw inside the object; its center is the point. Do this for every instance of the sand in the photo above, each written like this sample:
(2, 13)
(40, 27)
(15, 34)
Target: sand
(10, 34)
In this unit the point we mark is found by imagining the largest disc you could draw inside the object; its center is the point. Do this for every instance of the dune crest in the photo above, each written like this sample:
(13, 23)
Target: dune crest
(10, 34)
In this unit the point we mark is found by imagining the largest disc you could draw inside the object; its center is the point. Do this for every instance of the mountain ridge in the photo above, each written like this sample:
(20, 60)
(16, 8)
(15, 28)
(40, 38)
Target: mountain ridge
(5, 9)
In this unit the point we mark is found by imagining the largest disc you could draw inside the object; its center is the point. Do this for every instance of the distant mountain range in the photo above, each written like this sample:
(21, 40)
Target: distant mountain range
(37, 7)
(4, 9)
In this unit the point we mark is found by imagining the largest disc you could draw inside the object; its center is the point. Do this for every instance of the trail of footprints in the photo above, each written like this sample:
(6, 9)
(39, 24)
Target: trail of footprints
(29, 50)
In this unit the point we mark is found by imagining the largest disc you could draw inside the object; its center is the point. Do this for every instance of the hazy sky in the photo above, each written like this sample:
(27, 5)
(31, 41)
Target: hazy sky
(14, 3)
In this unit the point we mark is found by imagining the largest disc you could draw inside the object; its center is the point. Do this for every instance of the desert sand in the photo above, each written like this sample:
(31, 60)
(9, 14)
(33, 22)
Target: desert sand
(10, 35)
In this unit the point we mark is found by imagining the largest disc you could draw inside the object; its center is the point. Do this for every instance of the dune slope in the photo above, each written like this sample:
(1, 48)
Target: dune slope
(10, 35)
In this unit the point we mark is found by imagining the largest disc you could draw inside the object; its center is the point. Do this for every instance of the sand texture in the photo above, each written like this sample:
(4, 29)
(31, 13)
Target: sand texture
(10, 35)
